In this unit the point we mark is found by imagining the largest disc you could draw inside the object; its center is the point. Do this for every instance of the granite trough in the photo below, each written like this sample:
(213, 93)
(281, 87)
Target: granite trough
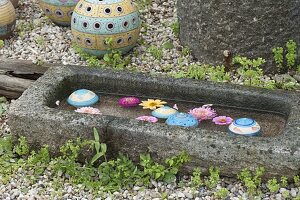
(36, 116)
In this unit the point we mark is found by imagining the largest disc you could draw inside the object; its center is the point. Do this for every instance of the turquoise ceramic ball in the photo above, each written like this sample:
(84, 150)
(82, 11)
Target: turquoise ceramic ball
(182, 119)
(82, 98)
(94, 22)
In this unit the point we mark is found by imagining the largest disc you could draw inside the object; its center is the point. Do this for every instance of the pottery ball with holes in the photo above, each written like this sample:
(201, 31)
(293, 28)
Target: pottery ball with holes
(59, 11)
(245, 126)
(7, 19)
(96, 21)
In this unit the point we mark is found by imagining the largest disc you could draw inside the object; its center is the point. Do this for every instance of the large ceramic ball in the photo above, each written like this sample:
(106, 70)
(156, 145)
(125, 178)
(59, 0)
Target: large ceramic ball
(59, 11)
(95, 21)
(7, 19)
(182, 119)
(82, 98)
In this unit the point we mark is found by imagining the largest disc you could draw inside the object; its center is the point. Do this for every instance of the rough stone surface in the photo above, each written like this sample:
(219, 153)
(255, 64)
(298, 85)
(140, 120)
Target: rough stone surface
(35, 116)
(248, 28)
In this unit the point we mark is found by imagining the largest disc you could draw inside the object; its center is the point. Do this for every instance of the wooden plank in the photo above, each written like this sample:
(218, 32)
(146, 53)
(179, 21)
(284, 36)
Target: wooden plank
(17, 75)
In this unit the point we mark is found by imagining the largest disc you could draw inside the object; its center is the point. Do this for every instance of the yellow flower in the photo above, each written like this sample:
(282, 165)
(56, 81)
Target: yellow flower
(152, 104)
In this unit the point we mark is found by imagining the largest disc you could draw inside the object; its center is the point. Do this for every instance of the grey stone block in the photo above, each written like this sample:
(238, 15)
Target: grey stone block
(246, 27)
(35, 116)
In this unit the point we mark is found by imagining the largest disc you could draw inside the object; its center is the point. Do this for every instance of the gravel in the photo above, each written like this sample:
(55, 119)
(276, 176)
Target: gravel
(39, 40)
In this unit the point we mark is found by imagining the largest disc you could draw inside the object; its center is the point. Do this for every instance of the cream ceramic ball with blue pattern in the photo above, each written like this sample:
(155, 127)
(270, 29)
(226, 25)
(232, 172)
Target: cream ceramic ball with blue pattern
(96, 21)
(164, 112)
(59, 11)
(245, 126)
(82, 98)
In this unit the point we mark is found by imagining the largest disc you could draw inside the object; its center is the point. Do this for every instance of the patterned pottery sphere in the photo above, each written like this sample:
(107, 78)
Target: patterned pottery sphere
(82, 98)
(15, 3)
(129, 102)
(7, 19)
(59, 11)
(245, 126)
(95, 21)
(164, 112)
(182, 119)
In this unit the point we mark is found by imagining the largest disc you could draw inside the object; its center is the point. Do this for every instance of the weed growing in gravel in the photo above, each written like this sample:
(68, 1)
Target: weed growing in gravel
(3, 106)
(1, 44)
(278, 57)
(252, 181)
(109, 175)
(214, 177)
(291, 55)
(175, 28)
(156, 52)
(168, 45)
(222, 193)
(185, 51)
(142, 4)
(196, 181)
(273, 185)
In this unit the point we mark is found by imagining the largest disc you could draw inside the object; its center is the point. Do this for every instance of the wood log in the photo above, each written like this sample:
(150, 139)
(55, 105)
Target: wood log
(17, 75)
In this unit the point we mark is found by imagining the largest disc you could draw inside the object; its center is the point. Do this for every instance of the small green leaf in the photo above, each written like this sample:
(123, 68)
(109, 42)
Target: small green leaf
(168, 45)
(97, 147)
(96, 135)
(103, 147)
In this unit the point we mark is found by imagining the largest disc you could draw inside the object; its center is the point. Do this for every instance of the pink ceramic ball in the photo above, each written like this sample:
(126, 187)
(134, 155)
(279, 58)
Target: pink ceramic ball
(129, 102)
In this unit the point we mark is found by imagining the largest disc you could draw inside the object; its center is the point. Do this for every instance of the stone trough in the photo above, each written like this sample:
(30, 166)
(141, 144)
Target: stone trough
(36, 116)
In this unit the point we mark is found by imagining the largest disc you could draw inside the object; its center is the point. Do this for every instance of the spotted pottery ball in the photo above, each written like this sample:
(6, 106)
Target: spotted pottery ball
(182, 119)
(96, 21)
(59, 11)
(245, 126)
(164, 112)
(7, 19)
(129, 102)
(82, 98)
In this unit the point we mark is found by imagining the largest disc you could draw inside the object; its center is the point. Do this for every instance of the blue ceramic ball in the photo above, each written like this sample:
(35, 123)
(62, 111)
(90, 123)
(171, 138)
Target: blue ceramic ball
(182, 119)
(82, 98)
(245, 126)
(164, 112)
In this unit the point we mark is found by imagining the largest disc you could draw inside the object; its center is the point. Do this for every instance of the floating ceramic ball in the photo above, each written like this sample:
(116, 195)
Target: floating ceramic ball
(15, 3)
(95, 21)
(164, 112)
(7, 19)
(182, 119)
(59, 11)
(245, 126)
(82, 98)
(129, 102)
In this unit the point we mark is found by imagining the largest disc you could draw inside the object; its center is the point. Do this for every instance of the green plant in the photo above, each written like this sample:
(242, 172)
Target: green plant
(291, 55)
(250, 70)
(22, 149)
(156, 171)
(168, 45)
(156, 52)
(197, 71)
(1, 44)
(297, 180)
(298, 69)
(142, 4)
(3, 106)
(222, 193)
(99, 147)
(283, 181)
(175, 28)
(273, 185)
(214, 177)
(218, 74)
(196, 178)
(278, 57)
(185, 51)
(286, 194)
(252, 181)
